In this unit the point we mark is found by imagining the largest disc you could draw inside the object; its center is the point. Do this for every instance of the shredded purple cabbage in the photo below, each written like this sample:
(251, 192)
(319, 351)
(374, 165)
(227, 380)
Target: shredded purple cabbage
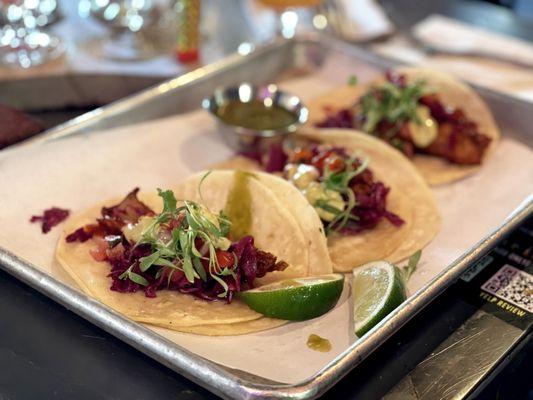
(252, 263)
(50, 218)
(246, 253)
(343, 118)
(371, 209)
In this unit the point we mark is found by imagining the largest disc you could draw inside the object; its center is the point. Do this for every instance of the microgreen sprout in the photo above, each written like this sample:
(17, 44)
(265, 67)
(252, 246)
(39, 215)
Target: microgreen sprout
(352, 80)
(174, 235)
(408, 270)
(340, 182)
(392, 103)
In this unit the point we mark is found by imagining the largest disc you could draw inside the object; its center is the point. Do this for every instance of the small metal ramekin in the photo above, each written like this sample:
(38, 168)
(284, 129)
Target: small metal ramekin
(244, 139)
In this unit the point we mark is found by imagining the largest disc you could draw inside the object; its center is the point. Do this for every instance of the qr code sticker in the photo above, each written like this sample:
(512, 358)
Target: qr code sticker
(512, 285)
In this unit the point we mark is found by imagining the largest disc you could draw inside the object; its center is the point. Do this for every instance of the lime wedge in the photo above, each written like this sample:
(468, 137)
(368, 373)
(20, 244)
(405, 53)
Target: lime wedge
(296, 299)
(378, 289)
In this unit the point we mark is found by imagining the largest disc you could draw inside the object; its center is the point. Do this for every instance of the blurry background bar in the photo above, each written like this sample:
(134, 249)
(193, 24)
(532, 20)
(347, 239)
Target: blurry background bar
(87, 76)
(24, 43)
(117, 47)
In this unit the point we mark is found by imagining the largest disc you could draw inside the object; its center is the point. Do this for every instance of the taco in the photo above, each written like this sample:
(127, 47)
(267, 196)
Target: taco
(179, 264)
(440, 123)
(372, 202)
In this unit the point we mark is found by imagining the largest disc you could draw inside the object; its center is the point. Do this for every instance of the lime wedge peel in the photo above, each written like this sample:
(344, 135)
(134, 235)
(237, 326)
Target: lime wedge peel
(377, 289)
(296, 299)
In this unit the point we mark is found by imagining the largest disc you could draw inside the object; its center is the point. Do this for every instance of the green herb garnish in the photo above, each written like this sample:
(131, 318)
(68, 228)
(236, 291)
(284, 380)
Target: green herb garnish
(352, 80)
(408, 270)
(132, 276)
(392, 103)
(340, 182)
(176, 250)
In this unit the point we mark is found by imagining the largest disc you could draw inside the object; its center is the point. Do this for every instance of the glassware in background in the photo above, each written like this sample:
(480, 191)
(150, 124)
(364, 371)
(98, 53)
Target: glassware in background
(138, 29)
(23, 43)
(287, 16)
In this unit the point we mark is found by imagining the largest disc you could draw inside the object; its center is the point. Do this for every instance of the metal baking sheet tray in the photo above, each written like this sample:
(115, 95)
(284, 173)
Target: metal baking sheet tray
(277, 62)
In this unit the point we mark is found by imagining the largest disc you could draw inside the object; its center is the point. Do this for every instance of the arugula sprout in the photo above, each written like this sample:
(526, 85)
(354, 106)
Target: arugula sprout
(352, 80)
(408, 270)
(392, 103)
(148, 261)
(324, 204)
(340, 182)
(178, 251)
(132, 276)
(169, 200)
(200, 184)
(137, 278)
(225, 224)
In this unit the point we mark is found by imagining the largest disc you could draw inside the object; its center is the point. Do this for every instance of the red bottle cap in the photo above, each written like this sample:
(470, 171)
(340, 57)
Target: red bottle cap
(188, 56)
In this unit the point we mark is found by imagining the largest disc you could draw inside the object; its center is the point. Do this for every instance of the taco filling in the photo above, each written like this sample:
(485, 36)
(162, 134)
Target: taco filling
(342, 188)
(412, 118)
(186, 248)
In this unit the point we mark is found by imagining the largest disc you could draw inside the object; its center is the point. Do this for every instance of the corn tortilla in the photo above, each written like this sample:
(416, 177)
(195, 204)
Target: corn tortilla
(274, 229)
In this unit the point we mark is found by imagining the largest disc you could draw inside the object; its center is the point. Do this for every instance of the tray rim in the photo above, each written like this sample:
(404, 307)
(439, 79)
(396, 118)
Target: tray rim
(217, 378)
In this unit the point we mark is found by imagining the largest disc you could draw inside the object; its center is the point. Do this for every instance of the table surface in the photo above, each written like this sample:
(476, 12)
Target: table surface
(46, 351)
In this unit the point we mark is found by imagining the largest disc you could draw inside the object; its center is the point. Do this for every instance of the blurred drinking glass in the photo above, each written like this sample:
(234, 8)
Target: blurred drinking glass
(287, 17)
(139, 29)
(23, 43)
